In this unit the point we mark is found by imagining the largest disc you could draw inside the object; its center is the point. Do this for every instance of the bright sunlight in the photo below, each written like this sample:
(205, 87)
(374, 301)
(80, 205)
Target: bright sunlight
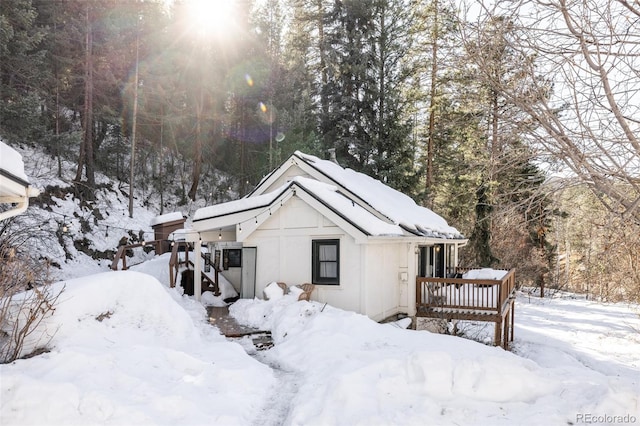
(209, 17)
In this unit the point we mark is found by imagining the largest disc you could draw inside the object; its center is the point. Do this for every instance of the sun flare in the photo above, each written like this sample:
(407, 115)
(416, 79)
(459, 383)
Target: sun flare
(210, 16)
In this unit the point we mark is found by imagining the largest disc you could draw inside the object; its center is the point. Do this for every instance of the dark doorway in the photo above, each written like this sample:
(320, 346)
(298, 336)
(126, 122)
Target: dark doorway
(431, 261)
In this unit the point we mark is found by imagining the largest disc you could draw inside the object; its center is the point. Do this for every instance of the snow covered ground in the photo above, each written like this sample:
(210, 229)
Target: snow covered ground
(126, 349)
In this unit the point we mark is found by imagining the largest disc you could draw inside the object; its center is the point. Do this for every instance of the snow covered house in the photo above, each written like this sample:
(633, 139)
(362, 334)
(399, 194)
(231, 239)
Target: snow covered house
(361, 243)
(15, 190)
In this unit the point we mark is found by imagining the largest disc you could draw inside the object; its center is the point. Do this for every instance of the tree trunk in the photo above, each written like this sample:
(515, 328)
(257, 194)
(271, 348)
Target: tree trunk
(85, 160)
(197, 149)
(325, 124)
(133, 131)
(432, 106)
(380, 130)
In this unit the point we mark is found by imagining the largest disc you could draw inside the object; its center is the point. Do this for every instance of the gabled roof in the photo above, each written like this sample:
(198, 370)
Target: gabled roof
(250, 211)
(235, 212)
(379, 199)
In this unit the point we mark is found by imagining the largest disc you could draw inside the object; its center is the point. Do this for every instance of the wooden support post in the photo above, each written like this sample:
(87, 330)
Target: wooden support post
(505, 331)
(513, 319)
(197, 273)
(497, 338)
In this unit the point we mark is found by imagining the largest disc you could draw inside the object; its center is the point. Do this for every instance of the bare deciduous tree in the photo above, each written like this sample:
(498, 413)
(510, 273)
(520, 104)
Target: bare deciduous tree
(22, 312)
(598, 253)
(26, 296)
(583, 93)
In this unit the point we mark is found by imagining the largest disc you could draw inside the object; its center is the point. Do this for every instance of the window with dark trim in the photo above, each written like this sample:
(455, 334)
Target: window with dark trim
(232, 258)
(326, 262)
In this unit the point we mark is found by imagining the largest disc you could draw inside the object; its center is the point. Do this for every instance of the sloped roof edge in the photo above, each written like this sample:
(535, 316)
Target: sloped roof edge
(409, 219)
(14, 178)
(387, 202)
(382, 201)
(325, 195)
(242, 205)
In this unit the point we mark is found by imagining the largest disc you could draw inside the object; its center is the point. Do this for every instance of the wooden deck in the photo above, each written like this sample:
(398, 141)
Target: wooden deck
(470, 299)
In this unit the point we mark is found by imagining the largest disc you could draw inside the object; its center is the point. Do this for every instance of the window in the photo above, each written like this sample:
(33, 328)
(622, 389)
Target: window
(326, 262)
(232, 258)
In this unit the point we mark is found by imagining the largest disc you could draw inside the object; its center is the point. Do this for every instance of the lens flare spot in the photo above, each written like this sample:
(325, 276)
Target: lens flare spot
(249, 80)
(263, 107)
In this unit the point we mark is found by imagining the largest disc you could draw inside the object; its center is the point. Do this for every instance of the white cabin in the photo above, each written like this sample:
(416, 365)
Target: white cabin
(361, 243)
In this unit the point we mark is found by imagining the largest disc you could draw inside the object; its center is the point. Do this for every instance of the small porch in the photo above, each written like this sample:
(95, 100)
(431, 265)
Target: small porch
(179, 263)
(460, 298)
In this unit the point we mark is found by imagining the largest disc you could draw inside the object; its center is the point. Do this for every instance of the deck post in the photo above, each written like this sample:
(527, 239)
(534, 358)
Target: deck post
(197, 269)
(497, 338)
(505, 332)
(513, 318)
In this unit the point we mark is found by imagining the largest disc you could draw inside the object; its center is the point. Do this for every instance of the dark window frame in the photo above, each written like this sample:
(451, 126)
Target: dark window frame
(232, 258)
(316, 262)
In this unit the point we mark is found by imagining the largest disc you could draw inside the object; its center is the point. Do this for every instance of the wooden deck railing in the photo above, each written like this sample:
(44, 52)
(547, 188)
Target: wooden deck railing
(175, 262)
(477, 296)
(121, 255)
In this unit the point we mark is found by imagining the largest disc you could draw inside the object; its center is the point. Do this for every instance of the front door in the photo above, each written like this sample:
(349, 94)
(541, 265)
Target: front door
(248, 288)
(431, 262)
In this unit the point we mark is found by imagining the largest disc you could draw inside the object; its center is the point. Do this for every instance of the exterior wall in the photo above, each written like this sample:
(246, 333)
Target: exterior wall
(386, 274)
(377, 279)
(161, 231)
(284, 243)
(412, 273)
(231, 274)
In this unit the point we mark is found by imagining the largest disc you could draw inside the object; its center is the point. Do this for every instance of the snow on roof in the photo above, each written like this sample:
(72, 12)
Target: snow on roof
(11, 162)
(398, 207)
(326, 194)
(240, 205)
(371, 196)
(345, 207)
(164, 218)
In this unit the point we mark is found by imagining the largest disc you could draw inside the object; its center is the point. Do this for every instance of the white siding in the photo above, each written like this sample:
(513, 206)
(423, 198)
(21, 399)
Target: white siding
(384, 265)
(377, 278)
(284, 243)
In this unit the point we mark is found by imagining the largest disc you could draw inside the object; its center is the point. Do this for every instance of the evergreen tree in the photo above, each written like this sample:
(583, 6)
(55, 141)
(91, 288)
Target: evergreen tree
(63, 92)
(512, 217)
(21, 71)
(369, 73)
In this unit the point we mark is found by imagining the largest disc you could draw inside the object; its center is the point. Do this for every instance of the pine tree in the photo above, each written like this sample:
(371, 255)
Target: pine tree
(21, 71)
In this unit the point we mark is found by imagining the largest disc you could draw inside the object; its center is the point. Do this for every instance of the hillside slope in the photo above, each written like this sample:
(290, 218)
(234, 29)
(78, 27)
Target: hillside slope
(75, 235)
